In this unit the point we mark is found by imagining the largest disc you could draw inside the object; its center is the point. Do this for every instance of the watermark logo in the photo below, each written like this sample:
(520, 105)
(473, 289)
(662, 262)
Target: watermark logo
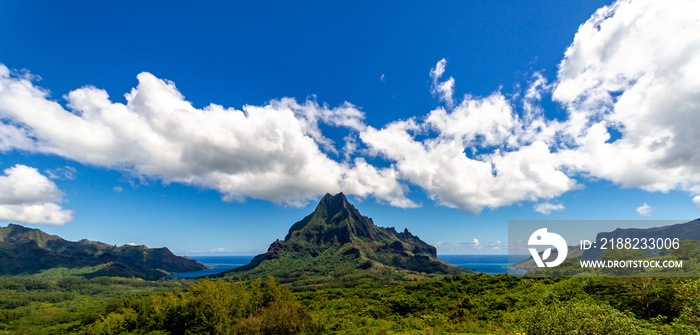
(543, 238)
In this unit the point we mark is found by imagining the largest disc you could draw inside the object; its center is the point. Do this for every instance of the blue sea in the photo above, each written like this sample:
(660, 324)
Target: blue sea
(219, 263)
(488, 264)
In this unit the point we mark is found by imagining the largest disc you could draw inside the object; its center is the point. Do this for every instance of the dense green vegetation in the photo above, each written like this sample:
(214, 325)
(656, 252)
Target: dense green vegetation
(66, 306)
(453, 305)
(335, 273)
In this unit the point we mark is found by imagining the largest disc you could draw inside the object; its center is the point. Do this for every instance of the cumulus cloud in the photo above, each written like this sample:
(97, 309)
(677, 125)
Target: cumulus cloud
(27, 196)
(472, 245)
(547, 207)
(633, 67)
(501, 170)
(630, 71)
(645, 210)
(484, 155)
(274, 152)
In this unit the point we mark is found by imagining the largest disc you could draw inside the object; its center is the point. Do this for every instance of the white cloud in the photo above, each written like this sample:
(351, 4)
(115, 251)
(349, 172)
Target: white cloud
(440, 165)
(633, 67)
(62, 173)
(547, 207)
(443, 90)
(645, 210)
(220, 250)
(274, 152)
(27, 196)
(364, 180)
(484, 155)
(496, 245)
(117, 189)
(475, 122)
(473, 245)
(131, 244)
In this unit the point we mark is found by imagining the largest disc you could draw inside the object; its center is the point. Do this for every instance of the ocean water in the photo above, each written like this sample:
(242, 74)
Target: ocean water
(219, 263)
(488, 264)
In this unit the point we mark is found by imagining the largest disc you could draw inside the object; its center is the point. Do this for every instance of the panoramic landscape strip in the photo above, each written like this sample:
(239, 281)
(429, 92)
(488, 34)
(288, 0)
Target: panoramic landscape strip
(462, 167)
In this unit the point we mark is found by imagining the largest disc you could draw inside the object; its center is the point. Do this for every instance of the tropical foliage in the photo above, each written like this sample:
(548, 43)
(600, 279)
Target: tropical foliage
(453, 305)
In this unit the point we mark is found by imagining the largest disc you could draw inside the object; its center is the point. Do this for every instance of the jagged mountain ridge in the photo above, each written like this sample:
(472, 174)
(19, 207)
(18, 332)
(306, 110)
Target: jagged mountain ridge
(336, 238)
(27, 251)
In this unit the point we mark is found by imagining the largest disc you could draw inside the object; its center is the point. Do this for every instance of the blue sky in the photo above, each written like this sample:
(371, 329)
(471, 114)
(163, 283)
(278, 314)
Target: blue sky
(448, 119)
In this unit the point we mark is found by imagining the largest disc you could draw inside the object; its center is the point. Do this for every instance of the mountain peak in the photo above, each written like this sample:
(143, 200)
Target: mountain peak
(334, 204)
(334, 217)
(18, 228)
(15, 233)
(337, 202)
(336, 236)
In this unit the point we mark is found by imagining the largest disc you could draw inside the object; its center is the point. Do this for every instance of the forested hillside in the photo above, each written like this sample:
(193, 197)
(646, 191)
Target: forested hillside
(32, 252)
(496, 304)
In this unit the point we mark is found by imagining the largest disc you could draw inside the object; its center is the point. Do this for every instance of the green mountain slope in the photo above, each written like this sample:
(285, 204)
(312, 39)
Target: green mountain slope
(26, 251)
(336, 240)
